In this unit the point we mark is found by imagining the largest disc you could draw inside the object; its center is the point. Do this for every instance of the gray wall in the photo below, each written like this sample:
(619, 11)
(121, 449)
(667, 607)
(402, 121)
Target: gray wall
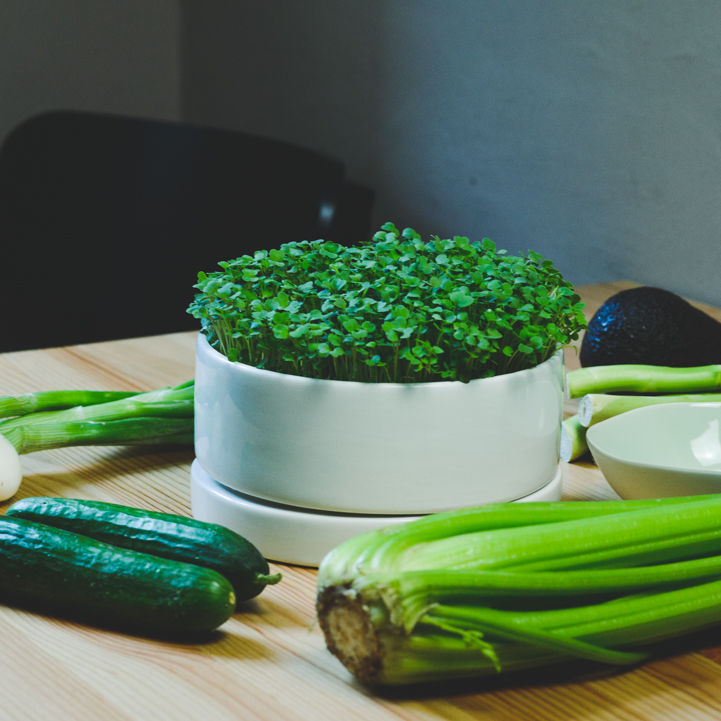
(588, 131)
(105, 55)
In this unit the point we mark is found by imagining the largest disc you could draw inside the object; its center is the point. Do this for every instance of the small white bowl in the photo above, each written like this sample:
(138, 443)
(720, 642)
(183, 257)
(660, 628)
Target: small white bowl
(660, 451)
(376, 448)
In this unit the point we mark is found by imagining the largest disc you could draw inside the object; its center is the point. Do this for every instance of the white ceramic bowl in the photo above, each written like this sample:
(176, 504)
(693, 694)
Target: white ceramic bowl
(381, 448)
(660, 451)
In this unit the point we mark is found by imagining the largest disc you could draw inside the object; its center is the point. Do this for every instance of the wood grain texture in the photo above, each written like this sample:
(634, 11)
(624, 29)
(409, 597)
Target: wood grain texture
(269, 661)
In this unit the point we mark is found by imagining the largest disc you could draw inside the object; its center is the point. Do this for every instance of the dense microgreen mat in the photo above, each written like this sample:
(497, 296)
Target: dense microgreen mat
(394, 309)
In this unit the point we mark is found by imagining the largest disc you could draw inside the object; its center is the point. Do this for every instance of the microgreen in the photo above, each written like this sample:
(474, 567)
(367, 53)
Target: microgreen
(393, 309)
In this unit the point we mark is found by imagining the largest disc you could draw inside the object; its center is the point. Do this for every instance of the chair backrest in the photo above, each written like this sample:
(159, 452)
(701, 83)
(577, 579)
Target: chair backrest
(105, 221)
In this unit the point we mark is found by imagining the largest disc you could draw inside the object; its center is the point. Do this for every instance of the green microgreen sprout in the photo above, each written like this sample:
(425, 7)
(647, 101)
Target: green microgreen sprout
(393, 309)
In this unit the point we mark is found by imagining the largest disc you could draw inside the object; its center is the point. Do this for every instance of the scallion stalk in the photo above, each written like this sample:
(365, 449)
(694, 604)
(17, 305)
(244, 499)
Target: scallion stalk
(637, 378)
(599, 387)
(484, 590)
(24, 403)
(125, 431)
(596, 407)
(165, 402)
(573, 439)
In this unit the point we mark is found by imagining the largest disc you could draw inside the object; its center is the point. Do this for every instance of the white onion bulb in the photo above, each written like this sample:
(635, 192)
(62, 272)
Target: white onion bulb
(11, 473)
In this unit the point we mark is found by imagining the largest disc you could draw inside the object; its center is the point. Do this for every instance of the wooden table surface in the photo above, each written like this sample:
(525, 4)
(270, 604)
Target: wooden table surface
(269, 661)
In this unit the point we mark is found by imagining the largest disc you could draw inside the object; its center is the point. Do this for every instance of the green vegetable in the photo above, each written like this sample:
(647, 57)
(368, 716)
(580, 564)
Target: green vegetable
(163, 403)
(56, 419)
(599, 387)
(123, 431)
(11, 473)
(573, 439)
(596, 407)
(513, 586)
(395, 309)
(25, 403)
(635, 378)
(59, 572)
(161, 534)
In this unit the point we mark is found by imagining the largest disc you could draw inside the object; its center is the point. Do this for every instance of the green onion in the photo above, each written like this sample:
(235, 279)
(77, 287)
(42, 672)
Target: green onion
(599, 387)
(635, 378)
(25, 403)
(511, 586)
(125, 431)
(596, 407)
(56, 419)
(573, 439)
(165, 402)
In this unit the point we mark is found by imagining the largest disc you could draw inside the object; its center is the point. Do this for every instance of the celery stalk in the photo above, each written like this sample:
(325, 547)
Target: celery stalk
(484, 590)
(383, 549)
(595, 541)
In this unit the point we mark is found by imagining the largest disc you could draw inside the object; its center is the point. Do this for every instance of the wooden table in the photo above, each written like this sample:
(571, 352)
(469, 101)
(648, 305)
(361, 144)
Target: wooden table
(269, 661)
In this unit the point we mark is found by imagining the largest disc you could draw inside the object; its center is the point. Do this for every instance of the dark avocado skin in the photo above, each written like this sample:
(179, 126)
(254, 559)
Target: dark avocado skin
(651, 326)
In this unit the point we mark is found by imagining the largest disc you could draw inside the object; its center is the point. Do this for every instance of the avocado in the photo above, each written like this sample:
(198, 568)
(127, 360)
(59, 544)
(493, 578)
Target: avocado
(651, 326)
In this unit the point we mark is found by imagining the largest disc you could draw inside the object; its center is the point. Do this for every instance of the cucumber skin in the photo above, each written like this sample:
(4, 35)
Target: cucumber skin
(161, 534)
(60, 572)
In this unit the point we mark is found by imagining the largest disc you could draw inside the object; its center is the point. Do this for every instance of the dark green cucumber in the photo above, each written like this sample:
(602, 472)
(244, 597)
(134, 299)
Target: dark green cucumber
(59, 572)
(161, 534)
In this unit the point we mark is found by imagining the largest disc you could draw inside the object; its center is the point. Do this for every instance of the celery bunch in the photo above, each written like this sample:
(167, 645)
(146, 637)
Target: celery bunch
(506, 587)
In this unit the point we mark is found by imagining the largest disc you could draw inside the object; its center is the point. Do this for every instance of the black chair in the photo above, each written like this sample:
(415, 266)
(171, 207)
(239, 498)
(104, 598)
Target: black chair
(105, 220)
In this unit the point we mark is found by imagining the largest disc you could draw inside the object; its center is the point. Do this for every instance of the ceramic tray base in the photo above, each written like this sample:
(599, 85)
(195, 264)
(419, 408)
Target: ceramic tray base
(293, 535)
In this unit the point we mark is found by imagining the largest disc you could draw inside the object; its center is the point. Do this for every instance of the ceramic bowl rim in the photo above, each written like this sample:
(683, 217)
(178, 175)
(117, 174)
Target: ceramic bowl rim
(219, 357)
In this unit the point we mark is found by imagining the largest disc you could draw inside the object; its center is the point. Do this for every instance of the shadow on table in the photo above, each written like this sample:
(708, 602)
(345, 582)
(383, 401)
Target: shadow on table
(562, 674)
(223, 642)
(100, 469)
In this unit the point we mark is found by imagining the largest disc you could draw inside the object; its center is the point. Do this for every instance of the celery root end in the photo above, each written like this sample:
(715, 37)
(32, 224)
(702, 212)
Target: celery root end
(350, 634)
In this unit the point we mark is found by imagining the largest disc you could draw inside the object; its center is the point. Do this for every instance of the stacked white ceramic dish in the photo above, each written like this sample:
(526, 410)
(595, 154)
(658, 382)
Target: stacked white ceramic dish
(298, 465)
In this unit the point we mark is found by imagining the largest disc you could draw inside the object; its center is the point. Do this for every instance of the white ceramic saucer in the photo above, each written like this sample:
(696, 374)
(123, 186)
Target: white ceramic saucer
(294, 535)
